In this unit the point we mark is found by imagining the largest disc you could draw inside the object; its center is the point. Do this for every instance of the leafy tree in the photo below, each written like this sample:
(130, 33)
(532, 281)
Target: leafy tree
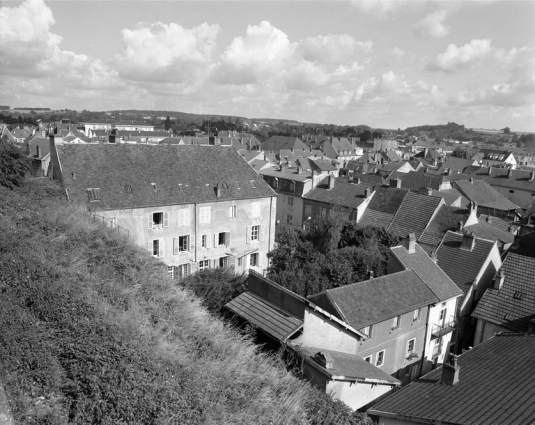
(13, 164)
(506, 130)
(215, 287)
(167, 124)
(458, 153)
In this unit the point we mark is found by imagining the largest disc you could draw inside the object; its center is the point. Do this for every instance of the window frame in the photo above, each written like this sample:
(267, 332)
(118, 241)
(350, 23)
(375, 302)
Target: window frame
(407, 351)
(396, 322)
(232, 211)
(203, 265)
(205, 214)
(369, 359)
(256, 261)
(380, 358)
(416, 315)
(255, 233)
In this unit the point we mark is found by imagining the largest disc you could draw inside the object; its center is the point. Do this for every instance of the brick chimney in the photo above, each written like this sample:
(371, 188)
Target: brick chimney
(468, 242)
(410, 242)
(331, 181)
(367, 193)
(450, 371)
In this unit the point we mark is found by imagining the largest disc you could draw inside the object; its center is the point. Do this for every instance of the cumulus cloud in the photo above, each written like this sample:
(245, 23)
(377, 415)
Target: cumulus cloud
(380, 8)
(433, 24)
(167, 53)
(333, 48)
(456, 58)
(29, 49)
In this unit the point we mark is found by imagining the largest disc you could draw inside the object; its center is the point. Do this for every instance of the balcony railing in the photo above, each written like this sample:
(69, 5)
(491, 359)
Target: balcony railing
(439, 330)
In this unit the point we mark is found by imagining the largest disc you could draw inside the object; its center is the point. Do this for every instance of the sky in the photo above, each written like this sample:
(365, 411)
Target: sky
(383, 63)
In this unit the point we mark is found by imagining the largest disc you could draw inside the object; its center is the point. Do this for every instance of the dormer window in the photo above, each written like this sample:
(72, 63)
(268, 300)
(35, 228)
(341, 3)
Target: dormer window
(128, 189)
(93, 194)
(224, 185)
(253, 184)
(154, 188)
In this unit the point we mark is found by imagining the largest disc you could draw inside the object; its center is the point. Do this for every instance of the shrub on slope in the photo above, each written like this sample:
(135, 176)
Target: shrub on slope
(92, 330)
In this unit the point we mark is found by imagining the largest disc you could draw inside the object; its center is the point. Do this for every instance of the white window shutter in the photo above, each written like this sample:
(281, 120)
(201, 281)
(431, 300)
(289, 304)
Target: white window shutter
(160, 248)
(216, 240)
(249, 230)
(261, 231)
(258, 260)
(150, 220)
(149, 246)
(230, 211)
(191, 242)
(166, 219)
(227, 238)
(208, 241)
(216, 263)
(175, 246)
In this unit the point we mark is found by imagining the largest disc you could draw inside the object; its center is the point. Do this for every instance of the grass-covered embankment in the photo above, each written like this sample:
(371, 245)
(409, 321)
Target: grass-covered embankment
(93, 330)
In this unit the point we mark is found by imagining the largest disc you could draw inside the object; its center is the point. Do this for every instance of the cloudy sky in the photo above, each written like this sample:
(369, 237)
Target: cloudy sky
(383, 63)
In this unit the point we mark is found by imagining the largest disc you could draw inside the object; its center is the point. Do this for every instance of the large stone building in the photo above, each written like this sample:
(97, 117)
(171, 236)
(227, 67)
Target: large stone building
(193, 207)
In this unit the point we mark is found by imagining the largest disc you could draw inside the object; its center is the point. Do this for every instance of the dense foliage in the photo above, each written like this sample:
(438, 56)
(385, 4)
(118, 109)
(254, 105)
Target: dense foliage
(330, 254)
(13, 164)
(93, 330)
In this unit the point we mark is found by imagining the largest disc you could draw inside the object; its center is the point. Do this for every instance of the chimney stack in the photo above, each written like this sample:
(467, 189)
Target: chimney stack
(510, 173)
(499, 279)
(450, 371)
(367, 193)
(429, 191)
(410, 243)
(468, 241)
(532, 175)
(331, 181)
(218, 192)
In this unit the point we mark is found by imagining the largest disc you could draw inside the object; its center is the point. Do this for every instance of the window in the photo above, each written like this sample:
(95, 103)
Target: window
(289, 219)
(416, 315)
(411, 345)
(255, 232)
(253, 261)
(170, 270)
(252, 183)
(368, 359)
(396, 321)
(155, 247)
(128, 189)
(183, 270)
(292, 186)
(93, 194)
(205, 240)
(240, 262)
(255, 209)
(442, 315)
(232, 211)
(308, 210)
(380, 358)
(204, 264)
(290, 201)
(223, 262)
(367, 330)
(113, 221)
(222, 238)
(204, 215)
(158, 219)
(183, 216)
(182, 244)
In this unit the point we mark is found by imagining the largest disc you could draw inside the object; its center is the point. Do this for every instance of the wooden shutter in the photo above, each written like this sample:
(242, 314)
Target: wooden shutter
(216, 240)
(149, 247)
(227, 238)
(216, 263)
(208, 244)
(230, 211)
(248, 236)
(191, 242)
(150, 220)
(160, 248)
(166, 219)
(261, 232)
(175, 246)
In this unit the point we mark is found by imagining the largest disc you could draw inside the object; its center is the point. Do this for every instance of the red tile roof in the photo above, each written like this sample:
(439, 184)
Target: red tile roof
(495, 387)
(344, 193)
(414, 214)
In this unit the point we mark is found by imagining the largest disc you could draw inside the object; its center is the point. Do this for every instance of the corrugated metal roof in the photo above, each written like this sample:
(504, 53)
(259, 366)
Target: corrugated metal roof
(270, 319)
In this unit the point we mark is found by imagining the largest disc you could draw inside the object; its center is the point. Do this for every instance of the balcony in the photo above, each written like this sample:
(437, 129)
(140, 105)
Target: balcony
(439, 330)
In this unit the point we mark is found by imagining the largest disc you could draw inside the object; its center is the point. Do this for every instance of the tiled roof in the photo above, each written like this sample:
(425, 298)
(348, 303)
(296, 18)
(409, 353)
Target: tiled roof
(44, 147)
(322, 164)
(368, 178)
(387, 199)
(487, 230)
(182, 174)
(372, 301)
(269, 318)
(276, 143)
(450, 196)
(416, 181)
(344, 193)
(512, 306)
(496, 222)
(485, 196)
(395, 165)
(446, 219)
(432, 275)
(375, 218)
(462, 266)
(456, 164)
(349, 366)
(414, 214)
(495, 387)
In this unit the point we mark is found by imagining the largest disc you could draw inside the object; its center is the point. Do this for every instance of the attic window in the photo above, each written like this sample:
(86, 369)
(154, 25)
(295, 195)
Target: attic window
(238, 185)
(224, 185)
(73, 175)
(128, 189)
(518, 295)
(253, 183)
(93, 194)
(180, 186)
(508, 317)
(154, 188)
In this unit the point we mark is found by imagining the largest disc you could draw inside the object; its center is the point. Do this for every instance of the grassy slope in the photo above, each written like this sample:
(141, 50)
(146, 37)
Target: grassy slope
(92, 330)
